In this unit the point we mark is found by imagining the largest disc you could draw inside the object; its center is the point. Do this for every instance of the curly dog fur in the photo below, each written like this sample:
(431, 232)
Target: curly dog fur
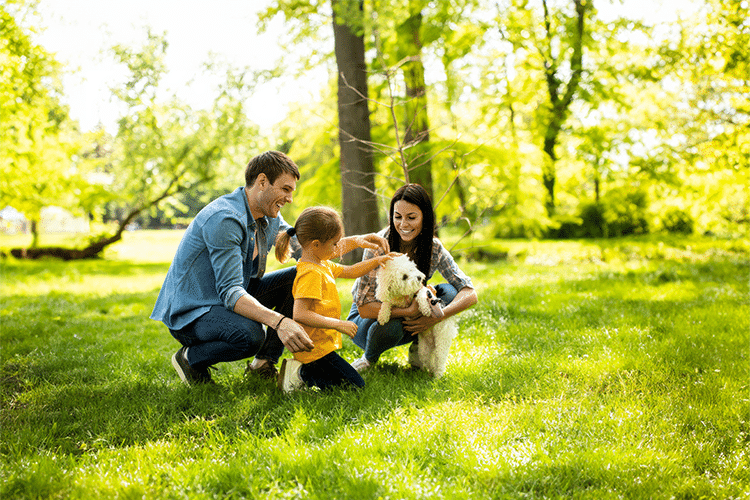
(398, 283)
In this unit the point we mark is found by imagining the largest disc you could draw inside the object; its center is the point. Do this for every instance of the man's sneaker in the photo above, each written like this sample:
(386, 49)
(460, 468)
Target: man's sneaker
(360, 364)
(289, 379)
(189, 375)
(414, 360)
(267, 370)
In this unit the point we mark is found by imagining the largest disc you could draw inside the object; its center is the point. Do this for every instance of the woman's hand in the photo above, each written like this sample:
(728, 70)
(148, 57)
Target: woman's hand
(411, 311)
(416, 325)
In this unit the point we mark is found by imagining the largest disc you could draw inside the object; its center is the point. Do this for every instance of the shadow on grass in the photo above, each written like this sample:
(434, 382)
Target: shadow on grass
(14, 270)
(87, 374)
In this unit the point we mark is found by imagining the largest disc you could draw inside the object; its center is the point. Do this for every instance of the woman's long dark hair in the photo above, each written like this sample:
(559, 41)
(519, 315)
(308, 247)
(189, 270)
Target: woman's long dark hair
(416, 195)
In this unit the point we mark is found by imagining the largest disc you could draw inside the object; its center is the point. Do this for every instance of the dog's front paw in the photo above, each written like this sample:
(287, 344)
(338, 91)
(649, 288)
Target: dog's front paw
(384, 315)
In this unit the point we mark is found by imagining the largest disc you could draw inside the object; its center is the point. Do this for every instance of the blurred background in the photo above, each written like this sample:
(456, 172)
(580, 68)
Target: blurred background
(524, 119)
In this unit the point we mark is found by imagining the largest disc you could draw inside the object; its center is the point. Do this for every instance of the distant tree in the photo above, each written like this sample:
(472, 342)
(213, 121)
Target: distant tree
(544, 43)
(395, 34)
(161, 148)
(562, 51)
(39, 143)
(404, 34)
(708, 120)
(409, 42)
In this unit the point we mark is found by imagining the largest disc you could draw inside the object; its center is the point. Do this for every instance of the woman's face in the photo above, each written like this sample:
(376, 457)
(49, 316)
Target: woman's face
(407, 219)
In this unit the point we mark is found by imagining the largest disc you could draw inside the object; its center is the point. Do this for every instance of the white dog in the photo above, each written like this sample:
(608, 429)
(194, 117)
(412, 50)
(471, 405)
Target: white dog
(398, 283)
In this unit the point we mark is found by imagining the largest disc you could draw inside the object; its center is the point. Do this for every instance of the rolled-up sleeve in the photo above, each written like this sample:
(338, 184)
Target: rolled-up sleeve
(448, 268)
(223, 237)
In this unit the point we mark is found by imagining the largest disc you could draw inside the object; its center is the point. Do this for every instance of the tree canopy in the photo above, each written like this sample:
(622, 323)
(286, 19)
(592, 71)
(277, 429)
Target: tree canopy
(528, 117)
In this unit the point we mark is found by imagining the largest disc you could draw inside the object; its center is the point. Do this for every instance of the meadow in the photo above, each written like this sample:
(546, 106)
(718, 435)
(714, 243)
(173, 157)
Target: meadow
(589, 369)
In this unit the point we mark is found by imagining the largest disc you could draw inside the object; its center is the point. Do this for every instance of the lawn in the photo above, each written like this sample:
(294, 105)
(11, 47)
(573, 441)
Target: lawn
(589, 369)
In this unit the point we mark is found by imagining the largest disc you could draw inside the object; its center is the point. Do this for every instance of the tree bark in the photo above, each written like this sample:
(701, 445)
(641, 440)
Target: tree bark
(560, 96)
(358, 197)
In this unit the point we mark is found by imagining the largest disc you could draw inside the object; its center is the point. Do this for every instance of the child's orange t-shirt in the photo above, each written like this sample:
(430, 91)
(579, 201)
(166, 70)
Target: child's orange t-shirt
(318, 282)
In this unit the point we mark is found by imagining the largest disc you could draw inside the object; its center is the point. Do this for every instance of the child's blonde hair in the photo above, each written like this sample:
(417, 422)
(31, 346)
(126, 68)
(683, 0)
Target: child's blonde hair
(314, 223)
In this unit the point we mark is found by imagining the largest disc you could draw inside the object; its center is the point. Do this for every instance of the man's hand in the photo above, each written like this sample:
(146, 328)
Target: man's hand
(293, 336)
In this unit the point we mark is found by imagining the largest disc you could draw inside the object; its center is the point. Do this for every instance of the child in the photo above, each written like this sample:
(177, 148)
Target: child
(316, 301)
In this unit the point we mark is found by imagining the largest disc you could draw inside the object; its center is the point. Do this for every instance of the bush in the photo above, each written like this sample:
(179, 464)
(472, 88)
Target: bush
(678, 221)
(622, 212)
(506, 227)
(593, 220)
(625, 212)
(566, 227)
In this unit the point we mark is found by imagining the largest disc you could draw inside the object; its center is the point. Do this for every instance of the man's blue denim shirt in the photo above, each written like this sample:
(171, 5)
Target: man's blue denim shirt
(214, 262)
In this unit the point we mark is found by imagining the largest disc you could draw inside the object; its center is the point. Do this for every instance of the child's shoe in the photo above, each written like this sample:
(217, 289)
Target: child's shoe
(289, 379)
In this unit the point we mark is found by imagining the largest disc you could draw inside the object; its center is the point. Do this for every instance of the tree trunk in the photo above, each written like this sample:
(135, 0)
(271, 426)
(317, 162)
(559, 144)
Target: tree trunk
(549, 174)
(34, 228)
(358, 197)
(89, 252)
(560, 96)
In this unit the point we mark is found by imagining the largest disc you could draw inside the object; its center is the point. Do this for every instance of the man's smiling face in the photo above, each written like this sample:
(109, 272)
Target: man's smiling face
(276, 195)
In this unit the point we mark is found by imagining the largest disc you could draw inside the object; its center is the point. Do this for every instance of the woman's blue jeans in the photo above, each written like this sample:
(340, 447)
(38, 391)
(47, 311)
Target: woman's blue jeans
(221, 335)
(375, 339)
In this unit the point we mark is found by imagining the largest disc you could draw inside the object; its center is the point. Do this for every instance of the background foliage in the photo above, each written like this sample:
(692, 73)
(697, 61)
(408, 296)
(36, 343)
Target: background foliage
(655, 137)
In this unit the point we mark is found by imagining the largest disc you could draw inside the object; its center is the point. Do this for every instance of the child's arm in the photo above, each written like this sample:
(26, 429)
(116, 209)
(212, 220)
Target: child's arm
(304, 315)
(364, 267)
(367, 241)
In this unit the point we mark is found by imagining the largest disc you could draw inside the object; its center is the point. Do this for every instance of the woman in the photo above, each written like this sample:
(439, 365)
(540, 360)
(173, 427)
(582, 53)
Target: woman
(411, 231)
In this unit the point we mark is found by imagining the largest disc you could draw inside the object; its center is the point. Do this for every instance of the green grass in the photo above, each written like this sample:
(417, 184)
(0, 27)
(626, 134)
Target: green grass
(601, 369)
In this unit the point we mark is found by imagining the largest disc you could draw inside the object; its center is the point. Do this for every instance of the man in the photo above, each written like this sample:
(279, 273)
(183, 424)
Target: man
(216, 297)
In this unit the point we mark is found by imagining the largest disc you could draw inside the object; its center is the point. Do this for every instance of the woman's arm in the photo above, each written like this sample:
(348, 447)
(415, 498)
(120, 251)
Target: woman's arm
(370, 310)
(465, 298)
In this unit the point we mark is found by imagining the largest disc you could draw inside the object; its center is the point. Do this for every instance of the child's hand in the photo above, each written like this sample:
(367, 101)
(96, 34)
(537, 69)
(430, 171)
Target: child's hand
(347, 328)
(385, 258)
